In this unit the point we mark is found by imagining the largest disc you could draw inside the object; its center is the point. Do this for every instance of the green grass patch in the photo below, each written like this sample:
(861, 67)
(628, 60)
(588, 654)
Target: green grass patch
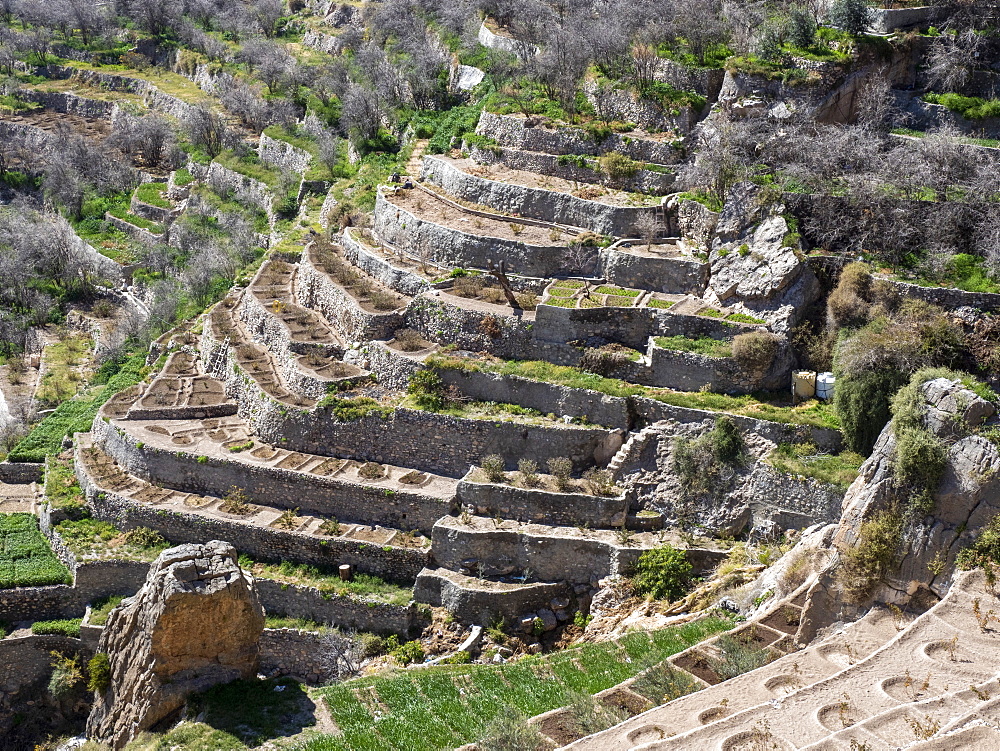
(183, 177)
(661, 304)
(76, 415)
(560, 302)
(127, 216)
(703, 345)
(101, 609)
(330, 583)
(969, 107)
(26, 558)
(250, 165)
(610, 289)
(92, 538)
(744, 318)
(153, 194)
(708, 200)
(442, 707)
(65, 369)
(62, 490)
(805, 460)
(63, 627)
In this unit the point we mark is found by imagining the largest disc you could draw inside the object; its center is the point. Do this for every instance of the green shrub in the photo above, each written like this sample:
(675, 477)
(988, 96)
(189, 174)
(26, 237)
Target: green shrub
(869, 559)
(618, 166)
(921, 459)
(409, 652)
(984, 552)
(99, 672)
(65, 627)
(969, 107)
(493, 466)
(663, 573)
(755, 351)
(862, 405)
(561, 468)
(66, 675)
(850, 15)
(427, 390)
(704, 464)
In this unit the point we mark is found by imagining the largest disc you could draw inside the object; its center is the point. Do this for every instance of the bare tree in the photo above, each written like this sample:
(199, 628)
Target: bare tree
(206, 130)
(952, 58)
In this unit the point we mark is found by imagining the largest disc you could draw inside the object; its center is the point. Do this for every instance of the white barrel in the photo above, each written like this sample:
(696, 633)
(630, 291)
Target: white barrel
(824, 386)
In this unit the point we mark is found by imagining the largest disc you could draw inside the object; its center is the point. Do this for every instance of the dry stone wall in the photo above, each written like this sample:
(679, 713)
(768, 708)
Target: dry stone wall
(512, 131)
(281, 488)
(643, 181)
(679, 276)
(402, 281)
(477, 331)
(397, 226)
(266, 544)
(475, 601)
(542, 506)
(245, 189)
(283, 155)
(318, 291)
(536, 203)
(550, 557)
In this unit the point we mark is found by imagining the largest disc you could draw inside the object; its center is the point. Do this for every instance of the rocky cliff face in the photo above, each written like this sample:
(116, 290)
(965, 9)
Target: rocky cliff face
(195, 623)
(921, 559)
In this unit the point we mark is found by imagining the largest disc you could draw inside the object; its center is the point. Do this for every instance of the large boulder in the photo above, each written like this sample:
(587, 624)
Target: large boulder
(195, 623)
(753, 269)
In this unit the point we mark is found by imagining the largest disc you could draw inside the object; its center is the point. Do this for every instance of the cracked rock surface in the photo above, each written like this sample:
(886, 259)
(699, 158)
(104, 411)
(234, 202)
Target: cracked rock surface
(195, 623)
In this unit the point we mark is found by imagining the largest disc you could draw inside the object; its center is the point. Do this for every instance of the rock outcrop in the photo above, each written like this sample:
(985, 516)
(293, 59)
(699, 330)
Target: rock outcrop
(195, 623)
(965, 500)
(754, 268)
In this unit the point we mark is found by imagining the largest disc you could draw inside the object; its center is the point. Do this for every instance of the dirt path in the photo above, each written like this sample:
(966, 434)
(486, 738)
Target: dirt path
(416, 158)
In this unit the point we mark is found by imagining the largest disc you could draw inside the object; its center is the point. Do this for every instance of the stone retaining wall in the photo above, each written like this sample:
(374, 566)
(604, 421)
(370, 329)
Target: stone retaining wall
(512, 46)
(25, 669)
(451, 247)
(361, 614)
(678, 276)
(302, 654)
(643, 181)
(21, 473)
(245, 189)
(139, 234)
(790, 502)
(629, 326)
(511, 130)
(70, 104)
(690, 371)
(598, 408)
(549, 557)
(696, 222)
(269, 330)
(888, 20)
(281, 488)
(828, 440)
(438, 320)
(475, 601)
(393, 369)
(153, 97)
(283, 155)
(536, 203)
(542, 506)
(265, 544)
(317, 290)
(402, 281)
